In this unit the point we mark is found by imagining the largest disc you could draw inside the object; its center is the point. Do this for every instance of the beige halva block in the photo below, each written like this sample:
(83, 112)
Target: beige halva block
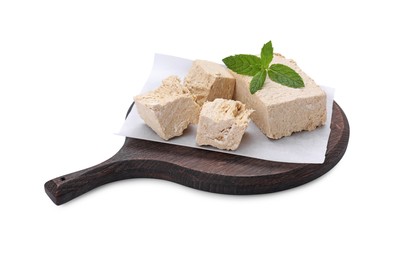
(222, 124)
(169, 109)
(208, 80)
(279, 110)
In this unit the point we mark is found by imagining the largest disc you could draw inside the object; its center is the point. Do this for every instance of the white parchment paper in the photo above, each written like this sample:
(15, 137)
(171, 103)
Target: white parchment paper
(303, 147)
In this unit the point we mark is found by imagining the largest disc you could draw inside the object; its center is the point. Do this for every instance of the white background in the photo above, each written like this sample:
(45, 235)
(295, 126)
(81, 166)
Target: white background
(68, 72)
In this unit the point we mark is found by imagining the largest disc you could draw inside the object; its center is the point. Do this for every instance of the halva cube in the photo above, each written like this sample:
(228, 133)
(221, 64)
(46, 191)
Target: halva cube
(169, 109)
(280, 110)
(222, 123)
(208, 80)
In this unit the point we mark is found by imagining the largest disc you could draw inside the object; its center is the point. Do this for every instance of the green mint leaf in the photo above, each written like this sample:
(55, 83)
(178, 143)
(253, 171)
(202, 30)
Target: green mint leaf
(257, 81)
(258, 68)
(267, 54)
(285, 75)
(243, 64)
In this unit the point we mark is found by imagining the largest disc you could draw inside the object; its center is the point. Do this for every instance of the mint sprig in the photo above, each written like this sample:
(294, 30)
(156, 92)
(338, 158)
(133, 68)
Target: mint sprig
(259, 68)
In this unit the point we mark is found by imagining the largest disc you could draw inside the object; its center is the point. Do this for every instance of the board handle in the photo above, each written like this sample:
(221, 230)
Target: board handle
(67, 187)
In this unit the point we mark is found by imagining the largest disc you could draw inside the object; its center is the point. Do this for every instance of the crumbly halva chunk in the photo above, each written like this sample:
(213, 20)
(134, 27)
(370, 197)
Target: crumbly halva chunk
(169, 109)
(222, 124)
(208, 80)
(279, 110)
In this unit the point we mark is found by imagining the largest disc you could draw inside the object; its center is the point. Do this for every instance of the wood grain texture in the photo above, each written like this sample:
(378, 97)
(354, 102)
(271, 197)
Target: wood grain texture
(201, 169)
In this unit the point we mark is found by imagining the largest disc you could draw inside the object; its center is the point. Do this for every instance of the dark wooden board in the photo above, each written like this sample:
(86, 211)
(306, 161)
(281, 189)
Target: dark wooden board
(201, 169)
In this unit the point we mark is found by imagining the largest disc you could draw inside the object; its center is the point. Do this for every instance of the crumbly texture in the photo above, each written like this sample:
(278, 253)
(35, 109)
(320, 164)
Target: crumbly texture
(279, 110)
(169, 109)
(208, 80)
(222, 124)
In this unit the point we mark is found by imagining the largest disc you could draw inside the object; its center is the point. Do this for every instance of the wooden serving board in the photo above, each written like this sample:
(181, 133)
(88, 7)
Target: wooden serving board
(201, 169)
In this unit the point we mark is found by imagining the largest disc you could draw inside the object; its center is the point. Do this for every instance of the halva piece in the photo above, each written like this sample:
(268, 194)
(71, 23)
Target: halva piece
(280, 110)
(169, 109)
(208, 80)
(222, 123)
